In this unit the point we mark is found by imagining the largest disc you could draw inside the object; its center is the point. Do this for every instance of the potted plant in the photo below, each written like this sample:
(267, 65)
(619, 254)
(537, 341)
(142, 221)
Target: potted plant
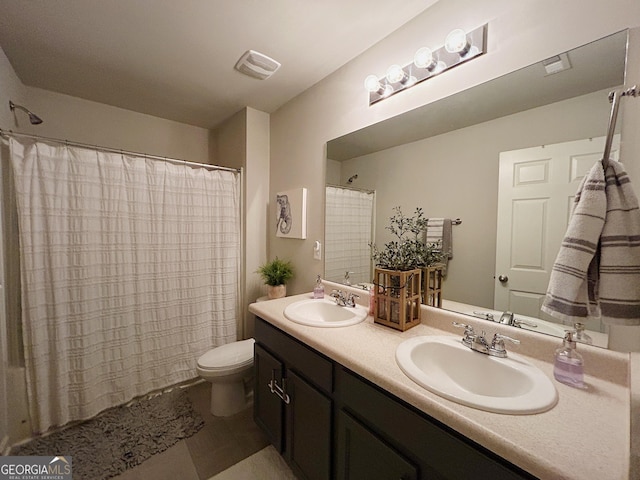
(398, 271)
(275, 275)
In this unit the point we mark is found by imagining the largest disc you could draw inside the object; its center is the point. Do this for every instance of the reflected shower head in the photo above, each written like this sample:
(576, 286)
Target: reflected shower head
(33, 118)
(352, 178)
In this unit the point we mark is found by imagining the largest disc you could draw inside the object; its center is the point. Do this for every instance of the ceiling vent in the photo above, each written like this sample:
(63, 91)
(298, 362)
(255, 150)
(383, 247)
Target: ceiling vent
(257, 65)
(556, 64)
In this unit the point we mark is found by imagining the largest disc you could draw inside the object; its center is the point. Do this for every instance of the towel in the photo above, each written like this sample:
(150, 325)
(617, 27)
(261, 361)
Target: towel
(597, 270)
(439, 231)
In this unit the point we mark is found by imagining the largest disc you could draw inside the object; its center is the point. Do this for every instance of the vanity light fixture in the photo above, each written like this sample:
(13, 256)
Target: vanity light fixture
(457, 42)
(396, 74)
(373, 86)
(459, 47)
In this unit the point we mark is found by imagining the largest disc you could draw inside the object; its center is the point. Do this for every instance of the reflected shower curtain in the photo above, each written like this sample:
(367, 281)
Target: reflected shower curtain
(348, 233)
(130, 271)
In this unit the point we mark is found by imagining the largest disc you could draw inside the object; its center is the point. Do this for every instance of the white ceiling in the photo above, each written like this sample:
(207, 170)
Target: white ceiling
(174, 59)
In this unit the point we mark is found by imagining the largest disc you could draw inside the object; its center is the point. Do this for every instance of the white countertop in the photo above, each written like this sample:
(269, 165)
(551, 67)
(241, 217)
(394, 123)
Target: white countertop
(585, 436)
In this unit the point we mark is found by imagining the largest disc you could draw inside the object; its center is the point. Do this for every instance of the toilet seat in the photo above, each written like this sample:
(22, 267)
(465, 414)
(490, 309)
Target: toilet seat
(231, 356)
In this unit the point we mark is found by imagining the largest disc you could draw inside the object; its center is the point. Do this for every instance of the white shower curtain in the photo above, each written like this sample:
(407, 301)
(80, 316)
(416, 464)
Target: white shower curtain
(348, 233)
(130, 271)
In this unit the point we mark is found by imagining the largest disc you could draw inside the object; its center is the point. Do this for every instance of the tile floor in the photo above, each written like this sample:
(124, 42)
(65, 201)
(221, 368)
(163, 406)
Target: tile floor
(221, 443)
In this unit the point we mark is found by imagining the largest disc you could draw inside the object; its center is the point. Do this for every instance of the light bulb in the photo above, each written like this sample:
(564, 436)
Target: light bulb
(396, 74)
(456, 42)
(372, 84)
(424, 59)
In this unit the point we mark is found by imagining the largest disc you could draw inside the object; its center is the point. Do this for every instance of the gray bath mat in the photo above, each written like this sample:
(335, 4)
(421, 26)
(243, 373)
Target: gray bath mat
(121, 437)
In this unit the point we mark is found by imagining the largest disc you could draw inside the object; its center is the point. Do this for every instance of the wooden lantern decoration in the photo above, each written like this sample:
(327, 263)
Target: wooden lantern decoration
(432, 286)
(397, 298)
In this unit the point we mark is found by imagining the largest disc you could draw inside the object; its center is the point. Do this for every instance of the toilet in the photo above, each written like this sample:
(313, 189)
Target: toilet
(229, 369)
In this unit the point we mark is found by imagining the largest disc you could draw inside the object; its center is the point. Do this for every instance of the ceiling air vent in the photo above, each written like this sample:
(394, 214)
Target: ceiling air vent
(556, 64)
(257, 65)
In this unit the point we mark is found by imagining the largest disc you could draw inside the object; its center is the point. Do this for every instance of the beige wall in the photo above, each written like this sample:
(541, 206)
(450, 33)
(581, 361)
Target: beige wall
(520, 33)
(242, 141)
(455, 175)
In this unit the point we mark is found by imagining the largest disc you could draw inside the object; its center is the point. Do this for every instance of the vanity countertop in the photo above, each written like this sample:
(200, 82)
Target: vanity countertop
(585, 436)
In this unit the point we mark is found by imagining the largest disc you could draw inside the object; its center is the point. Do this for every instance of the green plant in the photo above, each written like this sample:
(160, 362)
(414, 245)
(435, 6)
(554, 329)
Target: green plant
(276, 272)
(408, 251)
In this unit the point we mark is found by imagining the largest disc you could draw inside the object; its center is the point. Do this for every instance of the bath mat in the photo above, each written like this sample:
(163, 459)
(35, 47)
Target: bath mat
(121, 437)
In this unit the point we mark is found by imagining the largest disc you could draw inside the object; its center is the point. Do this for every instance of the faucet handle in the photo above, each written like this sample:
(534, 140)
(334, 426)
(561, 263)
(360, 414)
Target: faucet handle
(469, 333)
(468, 329)
(497, 345)
(351, 299)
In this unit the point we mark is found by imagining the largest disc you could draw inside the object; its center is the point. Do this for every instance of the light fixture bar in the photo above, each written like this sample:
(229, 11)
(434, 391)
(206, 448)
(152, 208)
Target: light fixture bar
(443, 59)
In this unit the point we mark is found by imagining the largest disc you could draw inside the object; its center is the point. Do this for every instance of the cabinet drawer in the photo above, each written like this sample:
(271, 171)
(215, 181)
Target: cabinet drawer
(298, 357)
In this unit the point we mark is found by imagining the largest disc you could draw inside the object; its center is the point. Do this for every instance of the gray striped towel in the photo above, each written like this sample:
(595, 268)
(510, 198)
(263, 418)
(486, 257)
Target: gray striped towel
(439, 231)
(597, 270)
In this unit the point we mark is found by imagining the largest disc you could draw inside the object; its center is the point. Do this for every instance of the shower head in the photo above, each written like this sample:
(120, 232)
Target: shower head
(33, 118)
(352, 178)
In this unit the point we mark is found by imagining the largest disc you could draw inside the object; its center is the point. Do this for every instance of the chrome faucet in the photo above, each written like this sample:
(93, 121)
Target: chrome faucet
(344, 299)
(508, 318)
(478, 343)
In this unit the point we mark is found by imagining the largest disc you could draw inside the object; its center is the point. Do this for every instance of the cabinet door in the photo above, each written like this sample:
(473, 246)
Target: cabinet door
(308, 446)
(268, 408)
(361, 454)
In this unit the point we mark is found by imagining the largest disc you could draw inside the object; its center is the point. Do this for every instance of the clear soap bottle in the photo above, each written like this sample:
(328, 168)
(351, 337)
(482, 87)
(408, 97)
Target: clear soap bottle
(569, 365)
(318, 290)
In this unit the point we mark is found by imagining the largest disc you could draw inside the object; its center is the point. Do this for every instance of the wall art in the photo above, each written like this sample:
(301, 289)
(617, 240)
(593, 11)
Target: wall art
(291, 208)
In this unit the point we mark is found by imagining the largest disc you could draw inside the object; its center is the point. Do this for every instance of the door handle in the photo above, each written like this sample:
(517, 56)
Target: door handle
(503, 279)
(277, 389)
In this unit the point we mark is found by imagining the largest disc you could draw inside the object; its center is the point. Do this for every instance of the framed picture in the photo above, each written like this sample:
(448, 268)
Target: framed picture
(291, 211)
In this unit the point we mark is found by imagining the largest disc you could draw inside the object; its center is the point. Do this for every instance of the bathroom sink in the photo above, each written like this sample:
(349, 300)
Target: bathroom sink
(444, 366)
(324, 313)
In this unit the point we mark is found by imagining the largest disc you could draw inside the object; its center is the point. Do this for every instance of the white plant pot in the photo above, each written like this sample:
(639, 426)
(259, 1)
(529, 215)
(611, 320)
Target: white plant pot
(277, 291)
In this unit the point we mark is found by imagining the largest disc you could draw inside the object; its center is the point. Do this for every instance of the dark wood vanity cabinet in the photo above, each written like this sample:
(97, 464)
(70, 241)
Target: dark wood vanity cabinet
(328, 422)
(360, 453)
(292, 401)
(433, 449)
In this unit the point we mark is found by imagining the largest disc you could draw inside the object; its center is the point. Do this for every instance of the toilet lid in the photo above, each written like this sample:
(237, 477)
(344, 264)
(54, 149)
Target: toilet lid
(234, 354)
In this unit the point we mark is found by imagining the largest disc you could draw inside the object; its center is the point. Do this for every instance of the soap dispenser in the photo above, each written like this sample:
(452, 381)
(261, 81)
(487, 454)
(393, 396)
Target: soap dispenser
(318, 290)
(569, 366)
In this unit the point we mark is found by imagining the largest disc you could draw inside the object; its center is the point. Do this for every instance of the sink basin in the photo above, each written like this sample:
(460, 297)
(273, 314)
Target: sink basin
(444, 366)
(324, 313)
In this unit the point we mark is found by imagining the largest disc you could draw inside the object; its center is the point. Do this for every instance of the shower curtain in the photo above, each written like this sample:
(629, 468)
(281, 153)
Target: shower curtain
(348, 233)
(130, 271)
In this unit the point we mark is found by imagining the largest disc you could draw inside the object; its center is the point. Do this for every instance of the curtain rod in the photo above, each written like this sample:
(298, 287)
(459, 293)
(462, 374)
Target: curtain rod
(207, 166)
(351, 188)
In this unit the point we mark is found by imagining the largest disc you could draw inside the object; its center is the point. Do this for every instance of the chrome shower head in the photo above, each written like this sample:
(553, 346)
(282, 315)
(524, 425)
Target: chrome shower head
(352, 178)
(33, 118)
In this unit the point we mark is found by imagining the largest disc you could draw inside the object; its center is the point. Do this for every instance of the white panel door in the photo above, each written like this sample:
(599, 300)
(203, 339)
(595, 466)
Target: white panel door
(535, 198)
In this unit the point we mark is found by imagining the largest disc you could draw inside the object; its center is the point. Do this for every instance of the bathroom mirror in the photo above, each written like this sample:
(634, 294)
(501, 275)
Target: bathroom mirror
(445, 158)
